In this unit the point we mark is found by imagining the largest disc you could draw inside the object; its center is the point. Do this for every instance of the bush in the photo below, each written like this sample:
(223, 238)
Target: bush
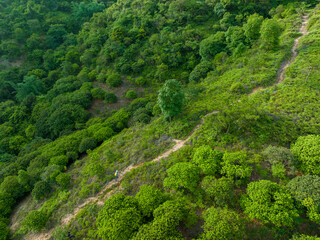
(141, 81)
(4, 231)
(86, 144)
(149, 199)
(235, 166)
(59, 160)
(270, 203)
(110, 97)
(275, 155)
(223, 224)
(220, 190)
(200, 71)
(131, 94)
(40, 190)
(103, 134)
(98, 93)
(207, 159)
(63, 179)
(35, 220)
(307, 151)
(141, 115)
(114, 80)
(183, 175)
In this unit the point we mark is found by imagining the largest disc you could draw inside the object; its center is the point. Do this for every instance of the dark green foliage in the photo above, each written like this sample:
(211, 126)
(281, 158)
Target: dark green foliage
(182, 176)
(98, 93)
(114, 80)
(110, 97)
(222, 224)
(131, 94)
(212, 45)
(220, 190)
(280, 155)
(35, 221)
(40, 190)
(4, 231)
(30, 85)
(270, 203)
(119, 218)
(207, 159)
(171, 98)
(11, 186)
(149, 199)
(86, 144)
(307, 151)
(6, 203)
(59, 160)
(200, 71)
(235, 166)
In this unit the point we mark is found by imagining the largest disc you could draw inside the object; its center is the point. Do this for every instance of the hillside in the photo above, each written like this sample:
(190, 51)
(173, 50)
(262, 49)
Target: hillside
(208, 109)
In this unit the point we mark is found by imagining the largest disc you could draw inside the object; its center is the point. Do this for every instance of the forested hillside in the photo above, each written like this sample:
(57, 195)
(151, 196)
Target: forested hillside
(209, 110)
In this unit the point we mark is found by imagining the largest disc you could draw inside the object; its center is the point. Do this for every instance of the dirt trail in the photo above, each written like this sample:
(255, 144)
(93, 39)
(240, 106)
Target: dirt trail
(101, 196)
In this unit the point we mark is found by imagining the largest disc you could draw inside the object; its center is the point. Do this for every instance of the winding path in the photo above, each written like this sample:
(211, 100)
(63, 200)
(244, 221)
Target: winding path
(101, 196)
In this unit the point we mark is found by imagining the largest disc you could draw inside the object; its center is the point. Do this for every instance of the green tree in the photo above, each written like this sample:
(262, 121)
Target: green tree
(35, 220)
(30, 85)
(270, 33)
(63, 179)
(114, 80)
(307, 151)
(183, 175)
(235, 166)
(149, 199)
(119, 218)
(40, 190)
(220, 190)
(212, 45)
(4, 231)
(207, 159)
(11, 186)
(222, 224)
(171, 98)
(252, 27)
(86, 144)
(6, 203)
(270, 203)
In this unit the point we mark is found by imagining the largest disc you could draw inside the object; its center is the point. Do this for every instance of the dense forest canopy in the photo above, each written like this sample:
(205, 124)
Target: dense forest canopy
(89, 87)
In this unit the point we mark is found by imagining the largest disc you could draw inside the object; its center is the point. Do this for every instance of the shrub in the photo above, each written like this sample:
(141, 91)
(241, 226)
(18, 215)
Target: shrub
(275, 155)
(235, 166)
(40, 190)
(4, 231)
(131, 94)
(63, 179)
(207, 159)
(200, 71)
(103, 134)
(183, 175)
(86, 144)
(98, 93)
(307, 151)
(141, 81)
(223, 224)
(141, 115)
(114, 80)
(59, 160)
(110, 97)
(220, 190)
(35, 220)
(270, 203)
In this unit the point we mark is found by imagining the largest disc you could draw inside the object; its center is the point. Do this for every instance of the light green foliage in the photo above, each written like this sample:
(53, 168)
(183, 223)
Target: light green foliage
(119, 218)
(304, 237)
(167, 217)
(183, 175)
(4, 231)
(278, 171)
(94, 166)
(11, 186)
(114, 80)
(222, 224)
(63, 179)
(270, 33)
(35, 220)
(131, 94)
(307, 151)
(252, 28)
(234, 37)
(207, 159)
(235, 166)
(40, 190)
(270, 203)
(103, 134)
(171, 98)
(220, 190)
(149, 199)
